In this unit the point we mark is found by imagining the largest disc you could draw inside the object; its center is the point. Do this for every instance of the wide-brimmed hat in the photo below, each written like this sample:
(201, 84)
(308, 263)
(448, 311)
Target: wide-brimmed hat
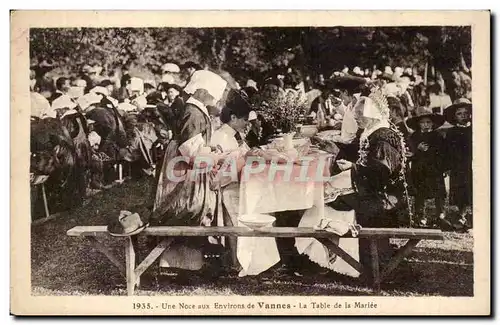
(350, 83)
(167, 85)
(450, 111)
(421, 112)
(127, 224)
(409, 76)
(105, 83)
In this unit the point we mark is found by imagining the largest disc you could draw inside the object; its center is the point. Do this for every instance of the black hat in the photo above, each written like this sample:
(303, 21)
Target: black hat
(421, 112)
(154, 98)
(349, 83)
(166, 86)
(450, 111)
(105, 83)
(409, 76)
(237, 103)
(190, 64)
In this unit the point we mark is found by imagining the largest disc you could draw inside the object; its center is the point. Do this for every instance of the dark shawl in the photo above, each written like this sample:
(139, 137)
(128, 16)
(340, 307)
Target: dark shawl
(379, 200)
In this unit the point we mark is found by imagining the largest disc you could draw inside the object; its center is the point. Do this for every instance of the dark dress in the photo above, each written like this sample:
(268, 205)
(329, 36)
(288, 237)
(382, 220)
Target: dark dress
(459, 163)
(427, 167)
(379, 200)
(172, 115)
(187, 202)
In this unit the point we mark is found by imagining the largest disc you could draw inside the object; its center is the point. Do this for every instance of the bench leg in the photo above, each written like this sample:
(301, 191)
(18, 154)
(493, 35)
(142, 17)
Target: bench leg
(130, 266)
(402, 252)
(100, 247)
(131, 273)
(375, 265)
(341, 253)
(153, 255)
(45, 203)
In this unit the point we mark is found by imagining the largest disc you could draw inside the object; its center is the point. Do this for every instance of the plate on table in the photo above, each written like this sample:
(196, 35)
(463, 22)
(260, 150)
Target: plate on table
(257, 221)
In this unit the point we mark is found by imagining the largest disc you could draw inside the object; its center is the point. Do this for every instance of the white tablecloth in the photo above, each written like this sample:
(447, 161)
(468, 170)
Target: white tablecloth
(260, 194)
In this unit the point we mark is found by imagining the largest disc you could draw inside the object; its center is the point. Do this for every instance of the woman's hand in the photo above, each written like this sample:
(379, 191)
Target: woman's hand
(422, 146)
(254, 152)
(344, 164)
(216, 149)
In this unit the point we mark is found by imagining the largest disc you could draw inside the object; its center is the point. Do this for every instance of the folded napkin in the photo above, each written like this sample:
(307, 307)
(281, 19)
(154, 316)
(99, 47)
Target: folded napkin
(338, 227)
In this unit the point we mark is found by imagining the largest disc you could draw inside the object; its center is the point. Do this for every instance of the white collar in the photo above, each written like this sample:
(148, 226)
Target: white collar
(69, 112)
(228, 130)
(198, 104)
(381, 124)
(464, 126)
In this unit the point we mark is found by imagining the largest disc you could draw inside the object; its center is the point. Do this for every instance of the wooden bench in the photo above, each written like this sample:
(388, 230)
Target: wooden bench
(133, 273)
(40, 180)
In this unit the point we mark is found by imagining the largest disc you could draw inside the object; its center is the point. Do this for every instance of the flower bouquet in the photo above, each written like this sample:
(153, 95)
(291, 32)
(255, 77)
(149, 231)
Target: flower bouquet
(283, 108)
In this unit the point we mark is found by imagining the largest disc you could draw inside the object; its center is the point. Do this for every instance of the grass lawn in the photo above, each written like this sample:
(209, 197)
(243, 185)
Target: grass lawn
(63, 265)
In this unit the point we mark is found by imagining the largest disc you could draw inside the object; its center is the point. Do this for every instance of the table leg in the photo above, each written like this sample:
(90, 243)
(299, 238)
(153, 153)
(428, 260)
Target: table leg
(130, 266)
(375, 265)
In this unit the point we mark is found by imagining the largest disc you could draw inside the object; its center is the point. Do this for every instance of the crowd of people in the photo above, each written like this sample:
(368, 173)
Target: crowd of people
(437, 133)
(398, 135)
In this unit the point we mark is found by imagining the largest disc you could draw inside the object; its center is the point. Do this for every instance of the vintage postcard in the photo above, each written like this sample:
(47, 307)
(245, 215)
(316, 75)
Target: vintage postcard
(250, 163)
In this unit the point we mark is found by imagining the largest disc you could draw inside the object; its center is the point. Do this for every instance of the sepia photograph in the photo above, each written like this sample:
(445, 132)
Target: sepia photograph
(305, 163)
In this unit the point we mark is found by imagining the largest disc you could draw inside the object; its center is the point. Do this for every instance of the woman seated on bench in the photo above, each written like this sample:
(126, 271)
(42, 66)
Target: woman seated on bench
(234, 117)
(183, 195)
(378, 197)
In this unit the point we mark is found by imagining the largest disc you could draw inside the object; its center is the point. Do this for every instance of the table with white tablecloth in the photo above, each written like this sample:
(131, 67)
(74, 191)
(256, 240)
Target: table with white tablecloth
(276, 188)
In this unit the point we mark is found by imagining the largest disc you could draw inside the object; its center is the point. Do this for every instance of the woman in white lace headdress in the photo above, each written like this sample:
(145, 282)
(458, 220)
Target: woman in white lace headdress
(378, 197)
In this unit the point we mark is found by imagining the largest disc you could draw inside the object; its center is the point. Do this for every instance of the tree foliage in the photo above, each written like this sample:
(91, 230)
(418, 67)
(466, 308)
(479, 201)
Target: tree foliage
(251, 52)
